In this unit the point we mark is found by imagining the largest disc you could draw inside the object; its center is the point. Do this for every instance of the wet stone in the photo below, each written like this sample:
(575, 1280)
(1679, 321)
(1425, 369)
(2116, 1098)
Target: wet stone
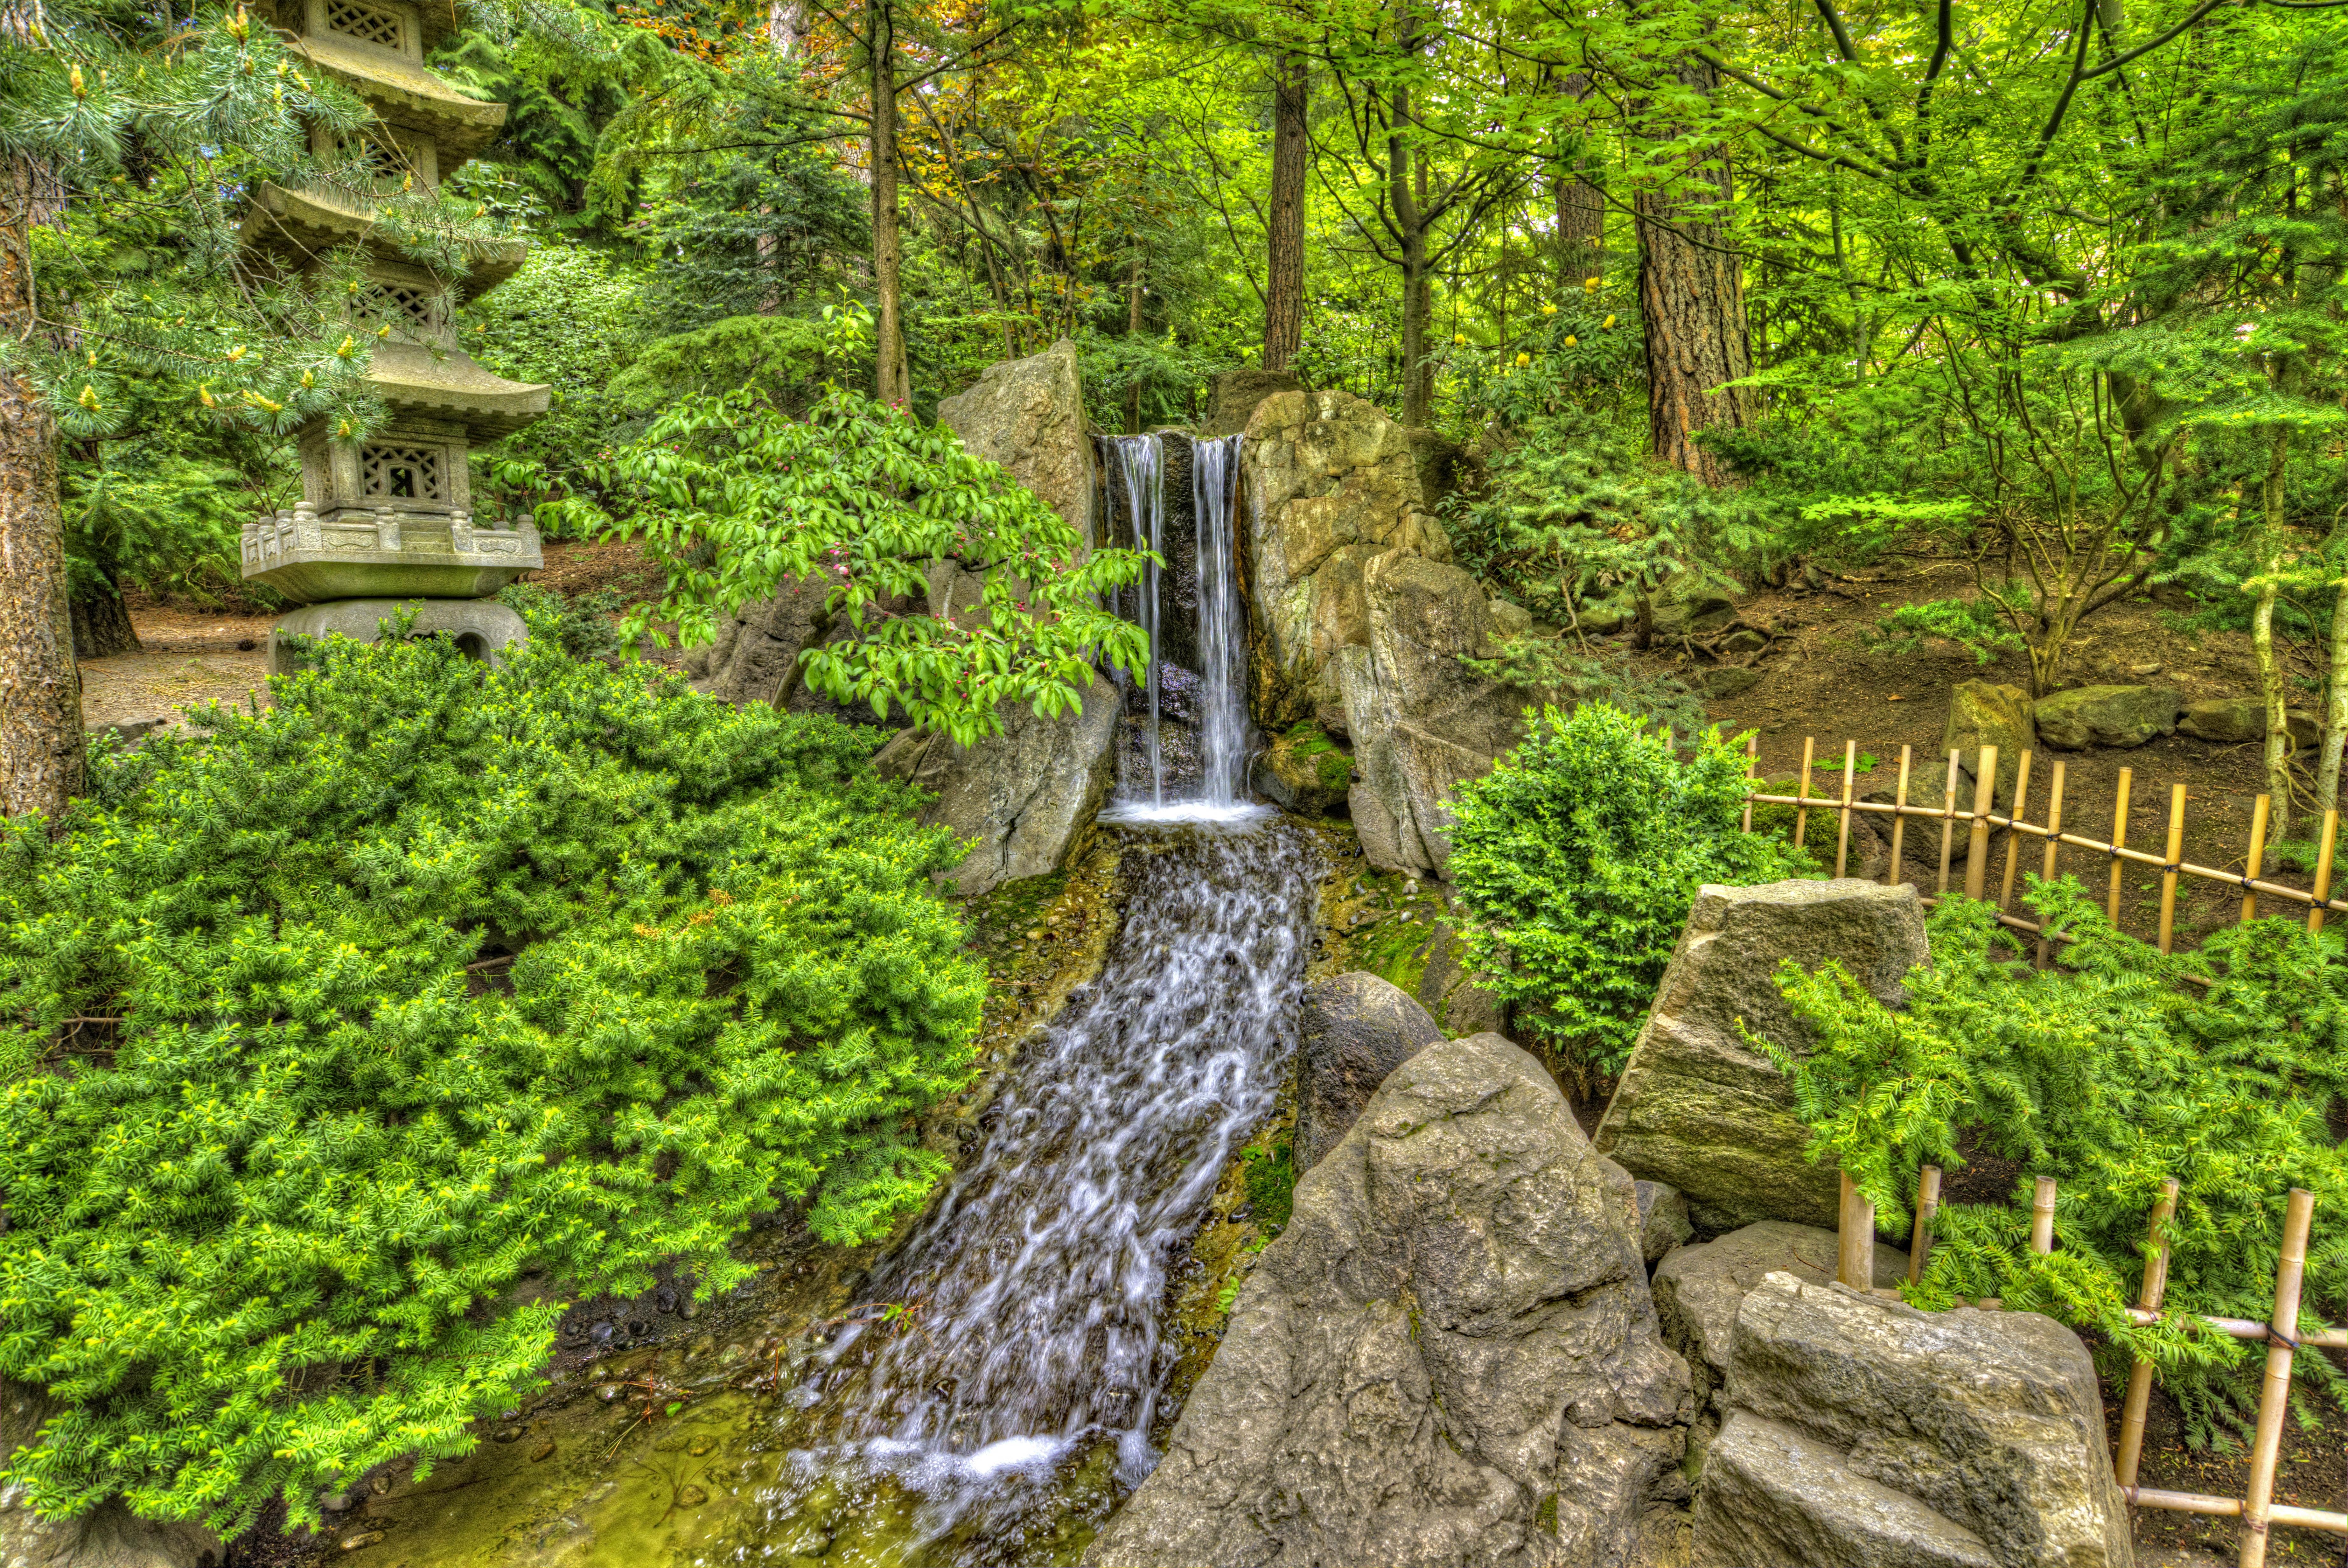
(545, 1450)
(364, 1539)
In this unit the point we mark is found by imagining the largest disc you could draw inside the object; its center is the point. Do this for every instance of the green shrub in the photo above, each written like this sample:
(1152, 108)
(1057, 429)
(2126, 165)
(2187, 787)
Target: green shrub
(282, 1128)
(1578, 858)
(2108, 1075)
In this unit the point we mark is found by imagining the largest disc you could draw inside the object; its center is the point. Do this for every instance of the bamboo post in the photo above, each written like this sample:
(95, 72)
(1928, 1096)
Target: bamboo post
(2013, 835)
(2257, 856)
(2054, 849)
(2119, 842)
(2169, 871)
(1899, 819)
(1928, 1204)
(2139, 1388)
(1948, 824)
(1752, 768)
(2323, 869)
(1842, 827)
(1802, 814)
(2282, 1336)
(1855, 1239)
(1977, 846)
(2041, 1216)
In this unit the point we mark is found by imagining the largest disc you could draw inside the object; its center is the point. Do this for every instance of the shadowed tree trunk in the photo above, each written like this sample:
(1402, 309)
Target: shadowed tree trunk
(1581, 208)
(1283, 288)
(41, 755)
(1691, 300)
(101, 624)
(1133, 329)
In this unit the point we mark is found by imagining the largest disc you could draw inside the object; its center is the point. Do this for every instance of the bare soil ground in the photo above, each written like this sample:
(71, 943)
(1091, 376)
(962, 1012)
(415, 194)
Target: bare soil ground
(190, 655)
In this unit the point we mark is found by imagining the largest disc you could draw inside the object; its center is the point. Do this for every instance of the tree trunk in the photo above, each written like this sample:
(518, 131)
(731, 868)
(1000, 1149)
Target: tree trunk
(2262, 643)
(1580, 209)
(1417, 374)
(1133, 329)
(101, 624)
(41, 755)
(1283, 283)
(892, 381)
(1691, 297)
(2335, 706)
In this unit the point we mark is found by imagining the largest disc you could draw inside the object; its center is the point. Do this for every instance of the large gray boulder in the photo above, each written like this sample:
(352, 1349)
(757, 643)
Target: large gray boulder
(1233, 395)
(1028, 415)
(1864, 1433)
(2228, 720)
(758, 646)
(1699, 1108)
(108, 1536)
(1450, 1357)
(1699, 1289)
(1357, 1028)
(1024, 796)
(2119, 715)
(1421, 721)
(1982, 713)
(1331, 486)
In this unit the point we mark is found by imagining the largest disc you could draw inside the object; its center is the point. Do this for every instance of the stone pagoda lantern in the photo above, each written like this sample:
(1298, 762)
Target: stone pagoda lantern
(387, 523)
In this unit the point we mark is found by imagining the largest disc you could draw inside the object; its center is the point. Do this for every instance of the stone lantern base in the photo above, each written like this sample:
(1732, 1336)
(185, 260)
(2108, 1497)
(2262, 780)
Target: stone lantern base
(481, 628)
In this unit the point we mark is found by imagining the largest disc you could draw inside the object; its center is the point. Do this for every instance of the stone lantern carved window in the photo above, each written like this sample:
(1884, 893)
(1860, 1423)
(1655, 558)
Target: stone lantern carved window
(401, 473)
(406, 303)
(367, 24)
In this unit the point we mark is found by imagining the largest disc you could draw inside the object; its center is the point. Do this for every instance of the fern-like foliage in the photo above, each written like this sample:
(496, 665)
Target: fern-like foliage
(328, 1027)
(2109, 1073)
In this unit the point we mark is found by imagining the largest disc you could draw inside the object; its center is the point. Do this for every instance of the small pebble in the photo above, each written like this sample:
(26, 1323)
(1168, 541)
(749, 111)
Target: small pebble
(1036, 935)
(504, 1435)
(363, 1538)
(699, 1448)
(693, 1497)
(545, 1450)
(381, 1484)
(607, 1392)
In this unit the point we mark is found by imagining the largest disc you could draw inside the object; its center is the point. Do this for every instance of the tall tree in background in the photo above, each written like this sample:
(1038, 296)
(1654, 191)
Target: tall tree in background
(892, 378)
(1691, 300)
(1283, 290)
(1575, 183)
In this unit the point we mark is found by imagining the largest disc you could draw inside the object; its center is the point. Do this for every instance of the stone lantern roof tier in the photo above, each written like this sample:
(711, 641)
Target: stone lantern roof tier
(302, 225)
(448, 385)
(406, 96)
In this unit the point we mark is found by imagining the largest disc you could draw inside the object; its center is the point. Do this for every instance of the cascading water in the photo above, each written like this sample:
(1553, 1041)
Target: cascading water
(1141, 465)
(994, 1396)
(1188, 733)
(1222, 621)
(1026, 1347)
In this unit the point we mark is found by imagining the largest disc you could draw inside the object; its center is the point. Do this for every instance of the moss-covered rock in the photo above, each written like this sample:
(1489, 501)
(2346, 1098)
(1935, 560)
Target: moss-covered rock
(1306, 771)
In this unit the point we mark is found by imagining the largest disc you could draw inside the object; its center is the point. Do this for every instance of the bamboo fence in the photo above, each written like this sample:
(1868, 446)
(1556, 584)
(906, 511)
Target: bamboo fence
(2258, 1511)
(1978, 823)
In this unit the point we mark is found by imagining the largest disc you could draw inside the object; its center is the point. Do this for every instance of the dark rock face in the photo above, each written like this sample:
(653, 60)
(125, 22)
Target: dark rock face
(1663, 1223)
(1023, 795)
(1699, 1110)
(1358, 1029)
(1450, 1357)
(1232, 395)
(1863, 1432)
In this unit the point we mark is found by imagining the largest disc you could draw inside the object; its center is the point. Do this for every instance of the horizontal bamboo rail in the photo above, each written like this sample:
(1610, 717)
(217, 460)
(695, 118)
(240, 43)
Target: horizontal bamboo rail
(2256, 1508)
(1979, 822)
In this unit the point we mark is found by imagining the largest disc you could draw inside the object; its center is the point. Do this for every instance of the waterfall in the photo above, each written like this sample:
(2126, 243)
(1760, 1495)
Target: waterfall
(1141, 464)
(1188, 744)
(1222, 621)
(1027, 1353)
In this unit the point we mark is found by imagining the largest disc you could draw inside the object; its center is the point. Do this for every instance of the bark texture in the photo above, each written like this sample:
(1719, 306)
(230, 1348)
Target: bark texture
(891, 379)
(41, 758)
(102, 626)
(1580, 206)
(1692, 299)
(1284, 286)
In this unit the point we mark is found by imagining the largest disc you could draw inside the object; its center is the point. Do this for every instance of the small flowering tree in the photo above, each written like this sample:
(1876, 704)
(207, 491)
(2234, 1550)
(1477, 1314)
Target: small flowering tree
(742, 500)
